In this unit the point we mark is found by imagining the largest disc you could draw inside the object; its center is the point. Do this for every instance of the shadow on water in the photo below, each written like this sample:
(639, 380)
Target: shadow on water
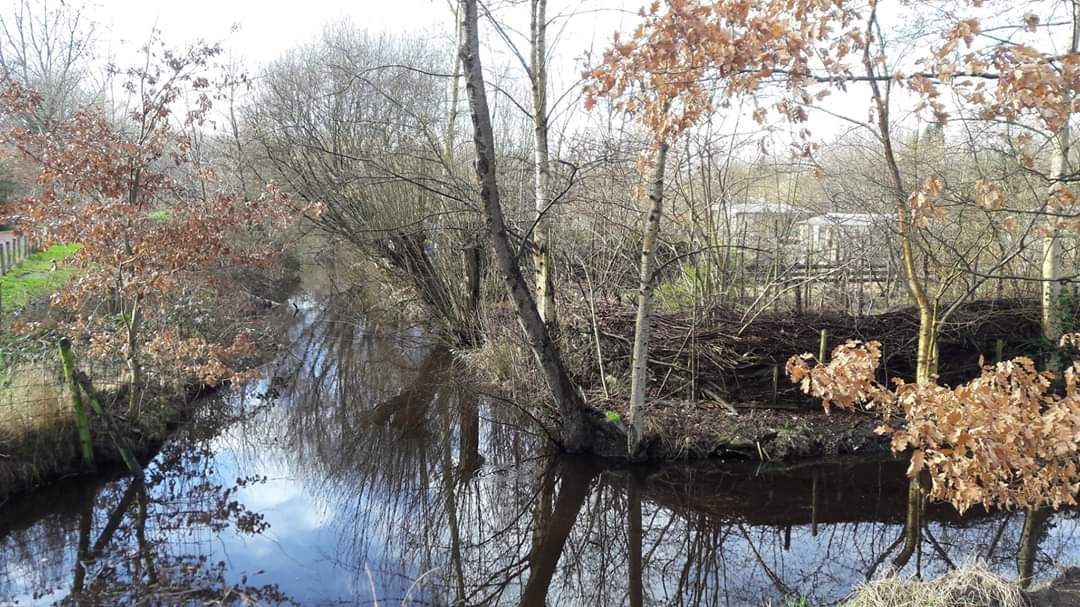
(364, 468)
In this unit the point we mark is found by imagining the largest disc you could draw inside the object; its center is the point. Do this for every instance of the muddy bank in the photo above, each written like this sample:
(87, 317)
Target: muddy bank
(710, 429)
(1064, 591)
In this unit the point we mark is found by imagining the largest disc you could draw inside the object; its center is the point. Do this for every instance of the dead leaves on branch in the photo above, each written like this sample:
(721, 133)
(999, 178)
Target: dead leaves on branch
(846, 381)
(688, 55)
(1003, 439)
(922, 202)
(154, 224)
(676, 60)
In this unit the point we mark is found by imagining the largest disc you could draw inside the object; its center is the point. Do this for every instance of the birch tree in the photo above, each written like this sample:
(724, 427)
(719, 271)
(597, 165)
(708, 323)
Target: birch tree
(545, 287)
(654, 76)
(640, 358)
(1060, 142)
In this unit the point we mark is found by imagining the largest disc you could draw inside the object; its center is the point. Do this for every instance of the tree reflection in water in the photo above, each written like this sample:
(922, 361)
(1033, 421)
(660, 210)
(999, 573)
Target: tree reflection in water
(374, 468)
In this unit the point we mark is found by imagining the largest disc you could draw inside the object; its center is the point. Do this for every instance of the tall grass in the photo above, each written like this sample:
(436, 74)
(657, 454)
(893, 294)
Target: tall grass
(37, 430)
(970, 585)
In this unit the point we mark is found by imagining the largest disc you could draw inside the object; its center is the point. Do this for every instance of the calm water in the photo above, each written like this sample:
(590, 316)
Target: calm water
(366, 473)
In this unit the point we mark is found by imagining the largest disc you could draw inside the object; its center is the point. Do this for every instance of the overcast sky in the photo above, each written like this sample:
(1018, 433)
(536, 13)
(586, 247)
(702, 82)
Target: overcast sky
(267, 27)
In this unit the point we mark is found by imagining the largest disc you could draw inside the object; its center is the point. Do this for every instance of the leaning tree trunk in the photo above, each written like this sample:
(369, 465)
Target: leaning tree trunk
(545, 284)
(571, 406)
(640, 359)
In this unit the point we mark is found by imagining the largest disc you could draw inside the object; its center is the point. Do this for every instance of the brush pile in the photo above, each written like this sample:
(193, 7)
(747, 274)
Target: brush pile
(720, 354)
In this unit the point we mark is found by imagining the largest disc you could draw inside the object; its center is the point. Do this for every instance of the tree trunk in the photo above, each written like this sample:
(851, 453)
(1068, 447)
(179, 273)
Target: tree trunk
(545, 285)
(571, 406)
(1034, 531)
(912, 524)
(926, 365)
(634, 539)
(552, 538)
(926, 361)
(1051, 262)
(640, 359)
(452, 104)
(132, 358)
(450, 488)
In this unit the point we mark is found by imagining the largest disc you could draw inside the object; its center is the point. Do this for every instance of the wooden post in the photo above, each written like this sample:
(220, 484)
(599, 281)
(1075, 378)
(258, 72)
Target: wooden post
(823, 346)
(859, 303)
(82, 420)
(106, 420)
(999, 349)
(775, 382)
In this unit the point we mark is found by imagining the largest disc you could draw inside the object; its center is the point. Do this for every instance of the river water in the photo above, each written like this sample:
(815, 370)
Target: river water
(363, 471)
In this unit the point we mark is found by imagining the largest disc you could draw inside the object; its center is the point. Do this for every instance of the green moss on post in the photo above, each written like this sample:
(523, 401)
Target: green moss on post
(117, 439)
(82, 420)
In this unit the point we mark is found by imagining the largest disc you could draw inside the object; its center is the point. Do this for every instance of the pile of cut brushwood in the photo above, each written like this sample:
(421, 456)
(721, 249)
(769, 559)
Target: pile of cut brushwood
(717, 386)
(721, 354)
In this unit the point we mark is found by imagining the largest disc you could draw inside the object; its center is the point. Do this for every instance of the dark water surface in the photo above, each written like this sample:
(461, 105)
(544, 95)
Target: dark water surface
(366, 473)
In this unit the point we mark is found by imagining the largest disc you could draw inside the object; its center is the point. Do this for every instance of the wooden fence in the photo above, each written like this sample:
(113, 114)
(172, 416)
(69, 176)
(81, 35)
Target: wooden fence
(14, 248)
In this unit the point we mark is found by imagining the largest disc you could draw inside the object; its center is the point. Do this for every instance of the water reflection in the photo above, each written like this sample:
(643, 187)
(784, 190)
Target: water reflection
(365, 468)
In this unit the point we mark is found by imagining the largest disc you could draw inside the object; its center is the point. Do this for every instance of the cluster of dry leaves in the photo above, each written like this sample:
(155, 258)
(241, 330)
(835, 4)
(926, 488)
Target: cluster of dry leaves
(667, 71)
(993, 60)
(1004, 439)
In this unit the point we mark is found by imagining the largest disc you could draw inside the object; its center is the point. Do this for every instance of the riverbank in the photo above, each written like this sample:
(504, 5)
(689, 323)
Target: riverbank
(723, 353)
(40, 440)
(676, 429)
(716, 384)
(364, 436)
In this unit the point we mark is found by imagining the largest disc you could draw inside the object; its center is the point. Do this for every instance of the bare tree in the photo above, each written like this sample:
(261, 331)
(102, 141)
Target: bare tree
(46, 47)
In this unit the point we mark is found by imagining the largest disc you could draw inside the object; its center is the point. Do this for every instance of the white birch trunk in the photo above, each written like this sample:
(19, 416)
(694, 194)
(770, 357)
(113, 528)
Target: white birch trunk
(1051, 261)
(640, 360)
(545, 291)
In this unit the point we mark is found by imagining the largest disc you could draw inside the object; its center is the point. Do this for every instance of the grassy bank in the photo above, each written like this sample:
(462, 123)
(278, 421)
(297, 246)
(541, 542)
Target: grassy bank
(33, 277)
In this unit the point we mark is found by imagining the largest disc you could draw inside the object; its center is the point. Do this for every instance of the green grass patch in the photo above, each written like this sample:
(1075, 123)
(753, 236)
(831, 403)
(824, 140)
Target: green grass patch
(161, 215)
(33, 276)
